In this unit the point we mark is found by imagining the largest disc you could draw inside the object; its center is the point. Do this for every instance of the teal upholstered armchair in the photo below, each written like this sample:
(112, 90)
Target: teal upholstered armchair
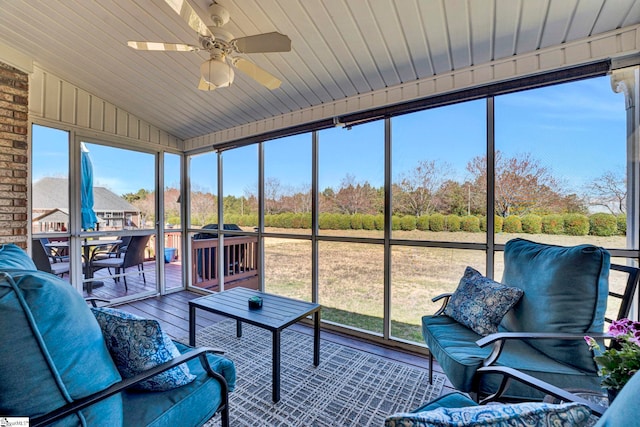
(565, 292)
(456, 409)
(59, 367)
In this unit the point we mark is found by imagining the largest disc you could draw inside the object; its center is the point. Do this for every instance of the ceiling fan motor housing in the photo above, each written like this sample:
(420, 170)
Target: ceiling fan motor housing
(219, 15)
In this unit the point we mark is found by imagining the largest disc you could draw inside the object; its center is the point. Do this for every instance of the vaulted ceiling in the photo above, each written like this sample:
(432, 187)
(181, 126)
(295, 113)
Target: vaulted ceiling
(340, 48)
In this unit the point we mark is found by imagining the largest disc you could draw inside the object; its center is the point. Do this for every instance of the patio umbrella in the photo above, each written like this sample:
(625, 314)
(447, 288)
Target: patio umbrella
(89, 218)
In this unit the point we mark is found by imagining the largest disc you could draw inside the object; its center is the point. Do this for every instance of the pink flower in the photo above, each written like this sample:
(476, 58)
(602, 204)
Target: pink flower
(593, 345)
(625, 327)
(618, 362)
(619, 327)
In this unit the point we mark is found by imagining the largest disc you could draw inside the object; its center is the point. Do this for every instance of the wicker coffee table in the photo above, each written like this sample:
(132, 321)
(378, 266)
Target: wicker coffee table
(276, 314)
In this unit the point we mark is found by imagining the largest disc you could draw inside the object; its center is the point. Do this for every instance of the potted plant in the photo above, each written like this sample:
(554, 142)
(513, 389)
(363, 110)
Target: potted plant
(621, 360)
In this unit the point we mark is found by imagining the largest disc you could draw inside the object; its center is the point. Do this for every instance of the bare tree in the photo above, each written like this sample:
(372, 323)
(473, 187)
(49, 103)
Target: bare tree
(171, 205)
(609, 191)
(522, 184)
(454, 198)
(297, 200)
(203, 206)
(354, 197)
(272, 196)
(415, 193)
(147, 205)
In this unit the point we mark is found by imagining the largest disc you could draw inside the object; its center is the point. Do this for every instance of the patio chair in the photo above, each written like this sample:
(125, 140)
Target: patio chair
(56, 254)
(456, 409)
(44, 262)
(115, 251)
(133, 256)
(565, 297)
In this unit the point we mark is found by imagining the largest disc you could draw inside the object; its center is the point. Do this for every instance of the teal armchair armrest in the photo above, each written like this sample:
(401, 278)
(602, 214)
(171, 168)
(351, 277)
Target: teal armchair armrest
(510, 374)
(446, 296)
(499, 340)
(87, 401)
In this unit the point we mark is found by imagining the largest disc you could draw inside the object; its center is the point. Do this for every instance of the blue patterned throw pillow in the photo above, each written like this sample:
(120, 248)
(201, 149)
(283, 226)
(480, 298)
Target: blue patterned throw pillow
(480, 303)
(531, 414)
(138, 344)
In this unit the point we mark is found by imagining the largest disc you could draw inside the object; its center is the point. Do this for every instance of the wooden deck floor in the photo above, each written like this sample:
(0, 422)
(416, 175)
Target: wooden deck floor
(136, 284)
(172, 311)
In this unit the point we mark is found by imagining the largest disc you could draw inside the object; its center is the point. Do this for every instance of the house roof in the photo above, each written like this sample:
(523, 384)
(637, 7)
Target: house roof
(53, 193)
(341, 50)
(54, 215)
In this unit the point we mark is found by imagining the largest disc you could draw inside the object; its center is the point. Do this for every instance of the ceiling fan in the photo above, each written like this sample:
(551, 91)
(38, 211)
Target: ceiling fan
(222, 47)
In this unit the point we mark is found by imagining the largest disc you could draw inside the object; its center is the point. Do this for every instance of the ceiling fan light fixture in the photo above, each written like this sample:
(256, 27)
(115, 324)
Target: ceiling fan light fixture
(217, 72)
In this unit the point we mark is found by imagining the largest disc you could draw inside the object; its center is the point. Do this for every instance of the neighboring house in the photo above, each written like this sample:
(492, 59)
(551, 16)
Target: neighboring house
(50, 207)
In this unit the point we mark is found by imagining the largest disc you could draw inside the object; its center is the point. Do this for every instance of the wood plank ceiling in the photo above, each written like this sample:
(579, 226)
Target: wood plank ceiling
(340, 48)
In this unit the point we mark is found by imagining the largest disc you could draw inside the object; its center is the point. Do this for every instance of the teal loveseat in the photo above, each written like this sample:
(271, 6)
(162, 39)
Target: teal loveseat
(565, 292)
(56, 367)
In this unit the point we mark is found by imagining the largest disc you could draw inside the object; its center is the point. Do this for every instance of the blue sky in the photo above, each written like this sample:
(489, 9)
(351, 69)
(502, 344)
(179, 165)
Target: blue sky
(577, 130)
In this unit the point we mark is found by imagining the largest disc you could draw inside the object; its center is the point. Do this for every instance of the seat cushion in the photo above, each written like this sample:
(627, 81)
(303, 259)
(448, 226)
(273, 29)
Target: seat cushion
(13, 257)
(137, 344)
(189, 405)
(565, 290)
(479, 303)
(53, 352)
(454, 347)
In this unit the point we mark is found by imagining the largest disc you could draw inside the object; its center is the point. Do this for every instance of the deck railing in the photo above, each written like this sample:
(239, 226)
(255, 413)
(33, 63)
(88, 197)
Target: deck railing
(240, 262)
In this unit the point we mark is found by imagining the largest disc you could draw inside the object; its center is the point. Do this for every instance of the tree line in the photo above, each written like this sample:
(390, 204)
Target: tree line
(523, 186)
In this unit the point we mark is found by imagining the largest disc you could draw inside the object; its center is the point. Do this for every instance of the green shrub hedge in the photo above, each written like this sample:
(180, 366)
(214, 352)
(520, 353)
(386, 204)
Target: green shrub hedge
(436, 222)
(573, 224)
(302, 220)
(356, 222)
(497, 223)
(368, 222)
(553, 224)
(408, 223)
(622, 224)
(576, 224)
(603, 224)
(395, 223)
(378, 222)
(452, 222)
(531, 224)
(470, 223)
(512, 224)
(422, 223)
(334, 221)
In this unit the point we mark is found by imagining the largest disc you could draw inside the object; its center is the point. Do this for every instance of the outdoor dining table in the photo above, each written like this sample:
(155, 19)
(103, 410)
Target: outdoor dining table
(89, 248)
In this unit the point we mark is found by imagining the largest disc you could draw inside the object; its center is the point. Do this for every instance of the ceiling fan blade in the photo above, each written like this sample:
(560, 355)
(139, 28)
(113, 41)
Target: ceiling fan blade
(177, 47)
(186, 12)
(256, 73)
(203, 85)
(267, 42)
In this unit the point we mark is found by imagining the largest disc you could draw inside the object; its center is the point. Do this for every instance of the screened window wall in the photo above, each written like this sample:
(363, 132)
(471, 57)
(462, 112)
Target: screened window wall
(94, 215)
(375, 219)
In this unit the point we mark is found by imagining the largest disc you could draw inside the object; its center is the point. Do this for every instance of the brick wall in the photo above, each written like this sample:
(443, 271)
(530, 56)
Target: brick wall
(14, 89)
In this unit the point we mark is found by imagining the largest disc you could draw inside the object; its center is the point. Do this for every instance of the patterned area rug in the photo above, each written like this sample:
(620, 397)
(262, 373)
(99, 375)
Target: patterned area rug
(349, 387)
